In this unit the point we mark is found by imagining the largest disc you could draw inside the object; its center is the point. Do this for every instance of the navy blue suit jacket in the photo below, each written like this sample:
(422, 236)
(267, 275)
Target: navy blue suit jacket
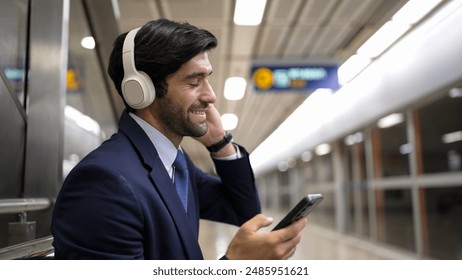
(120, 203)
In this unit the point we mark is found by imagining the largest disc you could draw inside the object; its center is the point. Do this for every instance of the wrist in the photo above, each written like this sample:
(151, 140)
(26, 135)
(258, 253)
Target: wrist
(220, 144)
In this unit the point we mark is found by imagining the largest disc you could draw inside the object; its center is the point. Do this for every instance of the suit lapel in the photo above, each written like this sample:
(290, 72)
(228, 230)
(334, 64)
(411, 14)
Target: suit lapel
(171, 200)
(164, 186)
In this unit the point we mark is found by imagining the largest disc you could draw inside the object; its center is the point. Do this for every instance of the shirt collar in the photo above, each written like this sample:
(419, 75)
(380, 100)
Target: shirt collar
(166, 150)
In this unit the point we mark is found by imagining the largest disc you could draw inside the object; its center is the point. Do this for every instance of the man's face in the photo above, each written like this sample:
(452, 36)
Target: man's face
(182, 111)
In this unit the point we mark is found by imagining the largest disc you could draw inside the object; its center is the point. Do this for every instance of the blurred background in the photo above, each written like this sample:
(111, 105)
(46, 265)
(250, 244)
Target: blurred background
(359, 100)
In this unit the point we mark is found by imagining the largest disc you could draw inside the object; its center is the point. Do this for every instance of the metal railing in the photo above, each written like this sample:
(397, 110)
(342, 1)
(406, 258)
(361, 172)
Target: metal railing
(33, 249)
(40, 248)
(19, 205)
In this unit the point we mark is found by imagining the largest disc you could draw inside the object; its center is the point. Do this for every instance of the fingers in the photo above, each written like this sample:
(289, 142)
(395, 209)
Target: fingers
(248, 243)
(212, 112)
(292, 230)
(288, 248)
(289, 237)
(215, 130)
(290, 253)
(213, 117)
(257, 222)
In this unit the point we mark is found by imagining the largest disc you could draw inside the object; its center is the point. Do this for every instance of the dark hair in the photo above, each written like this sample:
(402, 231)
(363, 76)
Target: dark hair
(161, 47)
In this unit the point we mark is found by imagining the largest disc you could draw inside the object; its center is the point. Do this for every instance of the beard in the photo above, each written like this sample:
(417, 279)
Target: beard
(173, 117)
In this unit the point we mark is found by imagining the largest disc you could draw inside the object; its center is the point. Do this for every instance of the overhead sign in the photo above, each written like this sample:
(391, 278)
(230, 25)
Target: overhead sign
(295, 78)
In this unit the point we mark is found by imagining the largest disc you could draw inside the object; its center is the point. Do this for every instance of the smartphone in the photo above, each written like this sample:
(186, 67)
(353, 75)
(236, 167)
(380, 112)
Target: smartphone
(302, 209)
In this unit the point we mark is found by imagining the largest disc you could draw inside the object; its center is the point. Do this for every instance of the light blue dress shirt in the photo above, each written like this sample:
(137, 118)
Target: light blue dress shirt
(166, 150)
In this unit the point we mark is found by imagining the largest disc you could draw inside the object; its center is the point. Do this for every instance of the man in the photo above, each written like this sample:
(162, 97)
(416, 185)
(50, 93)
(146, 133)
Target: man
(128, 199)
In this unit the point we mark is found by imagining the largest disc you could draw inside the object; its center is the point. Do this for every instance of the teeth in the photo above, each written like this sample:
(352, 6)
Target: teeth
(198, 112)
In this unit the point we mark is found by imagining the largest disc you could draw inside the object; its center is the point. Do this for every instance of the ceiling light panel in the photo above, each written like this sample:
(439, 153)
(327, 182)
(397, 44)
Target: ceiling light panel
(249, 12)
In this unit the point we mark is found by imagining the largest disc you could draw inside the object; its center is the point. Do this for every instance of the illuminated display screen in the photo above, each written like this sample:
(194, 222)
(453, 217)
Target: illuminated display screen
(294, 78)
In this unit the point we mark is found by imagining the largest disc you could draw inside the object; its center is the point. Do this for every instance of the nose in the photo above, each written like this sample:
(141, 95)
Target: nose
(208, 95)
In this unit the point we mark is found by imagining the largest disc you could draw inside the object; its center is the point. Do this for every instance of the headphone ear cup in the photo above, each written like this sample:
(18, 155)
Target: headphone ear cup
(138, 90)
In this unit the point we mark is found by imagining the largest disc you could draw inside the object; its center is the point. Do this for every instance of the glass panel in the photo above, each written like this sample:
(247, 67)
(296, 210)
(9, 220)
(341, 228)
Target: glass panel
(13, 28)
(89, 118)
(357, 218)
(361, 182)
(323, 168)
(307, 167)
(394, 218)
(350, 206)
(365, 230)
(443, 209)
(283, 178)
(441, 134)
(283, 189)
(355, 187)
(391, 148)
(347, 153)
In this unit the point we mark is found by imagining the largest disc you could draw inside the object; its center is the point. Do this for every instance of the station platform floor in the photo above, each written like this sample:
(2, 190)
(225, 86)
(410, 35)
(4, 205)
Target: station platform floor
(318, 243)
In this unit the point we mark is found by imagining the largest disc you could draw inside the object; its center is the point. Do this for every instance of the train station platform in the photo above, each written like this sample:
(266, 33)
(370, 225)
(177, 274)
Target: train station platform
(318, 243)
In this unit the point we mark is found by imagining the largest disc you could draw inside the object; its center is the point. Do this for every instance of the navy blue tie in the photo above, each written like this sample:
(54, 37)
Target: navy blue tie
(181, 178)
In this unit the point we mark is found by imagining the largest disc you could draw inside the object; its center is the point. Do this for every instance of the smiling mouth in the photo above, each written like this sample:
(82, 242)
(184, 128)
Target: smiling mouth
(199, 109)
(198, 112)
(198, 115)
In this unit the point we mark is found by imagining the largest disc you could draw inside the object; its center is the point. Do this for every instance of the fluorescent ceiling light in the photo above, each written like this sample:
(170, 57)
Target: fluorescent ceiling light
(355, 138)
(249, 12)
(390, 120)
(405, 149)
(116, 9)
(235, 88)
(455, 92)
(229, 121)
(306, 156)
(350, 68)
(382, 39)
(452, 137)
(88, 42)
(82, 120)
(291, 162)
(323, 149)
(283, 166)
(414, 10)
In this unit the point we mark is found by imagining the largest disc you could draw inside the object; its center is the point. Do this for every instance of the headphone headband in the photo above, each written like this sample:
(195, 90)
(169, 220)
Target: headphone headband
(129, 48)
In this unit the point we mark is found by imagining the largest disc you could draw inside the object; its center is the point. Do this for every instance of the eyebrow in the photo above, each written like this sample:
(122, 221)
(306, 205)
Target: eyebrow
(197, 74)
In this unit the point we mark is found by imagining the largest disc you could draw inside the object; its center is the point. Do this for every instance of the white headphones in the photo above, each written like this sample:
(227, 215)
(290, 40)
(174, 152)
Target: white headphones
(137, 88)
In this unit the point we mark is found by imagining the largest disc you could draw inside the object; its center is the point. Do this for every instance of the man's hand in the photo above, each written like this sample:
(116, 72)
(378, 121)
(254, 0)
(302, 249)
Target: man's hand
(248, 244)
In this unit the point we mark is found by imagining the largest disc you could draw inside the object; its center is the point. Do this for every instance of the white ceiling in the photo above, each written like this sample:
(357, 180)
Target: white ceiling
(292, 30)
